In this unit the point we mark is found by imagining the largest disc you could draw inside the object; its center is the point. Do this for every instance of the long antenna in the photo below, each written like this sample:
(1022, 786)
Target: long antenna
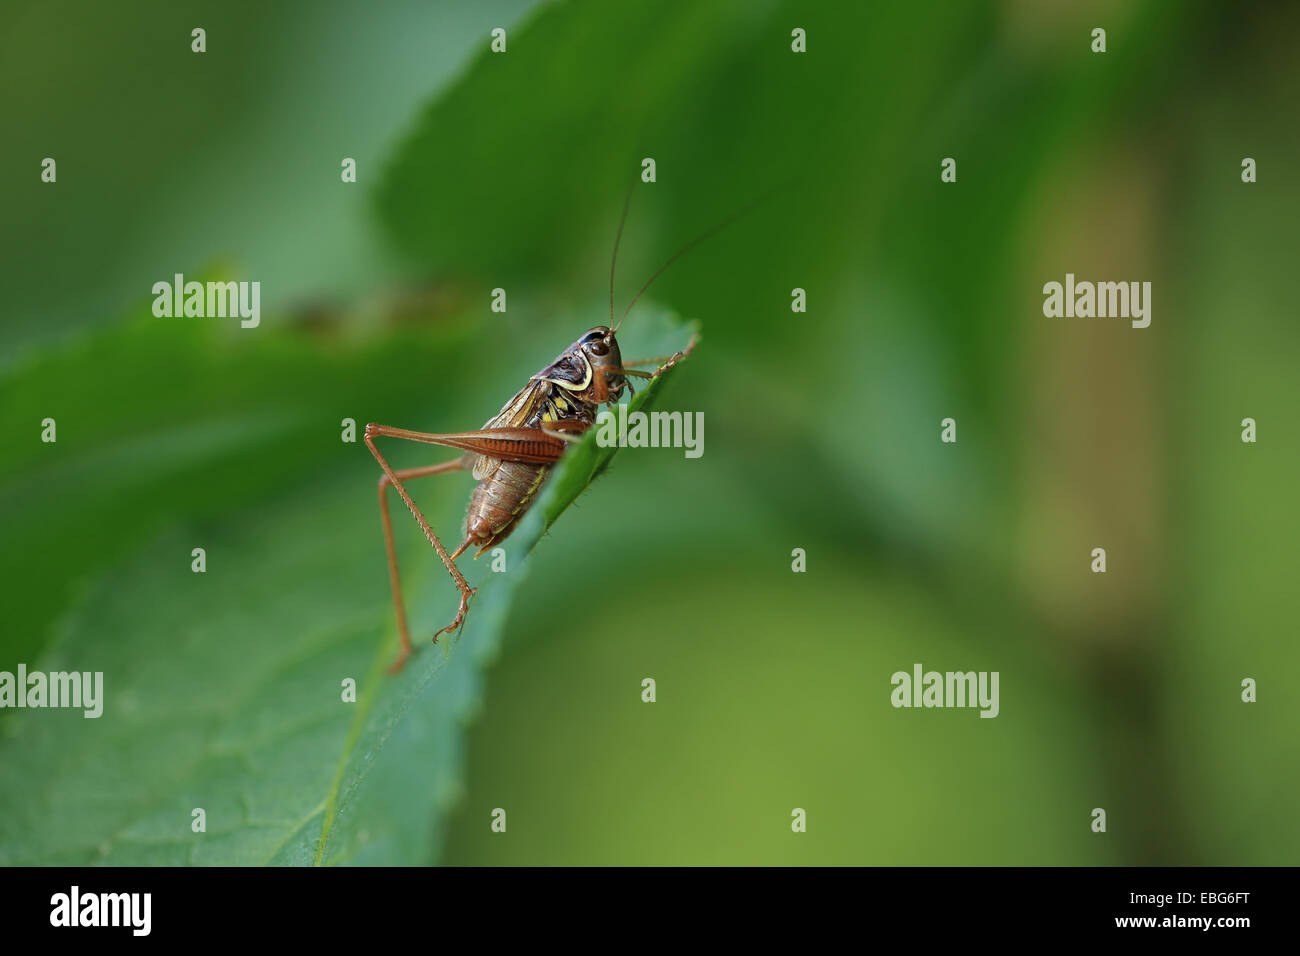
(618, 237)
(744, 210)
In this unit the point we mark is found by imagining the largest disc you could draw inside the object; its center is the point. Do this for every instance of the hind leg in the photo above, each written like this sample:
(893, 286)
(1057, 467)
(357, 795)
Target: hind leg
(395, 478)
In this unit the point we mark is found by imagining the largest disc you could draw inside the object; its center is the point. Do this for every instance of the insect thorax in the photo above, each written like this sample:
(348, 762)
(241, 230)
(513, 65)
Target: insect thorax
(560, 404)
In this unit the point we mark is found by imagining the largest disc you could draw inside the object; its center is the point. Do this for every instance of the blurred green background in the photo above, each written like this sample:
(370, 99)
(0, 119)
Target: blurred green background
(480, 170)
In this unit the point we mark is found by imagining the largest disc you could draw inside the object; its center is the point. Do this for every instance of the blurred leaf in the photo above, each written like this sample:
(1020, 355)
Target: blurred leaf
(785, 704)
(162, 421)
(223, 691)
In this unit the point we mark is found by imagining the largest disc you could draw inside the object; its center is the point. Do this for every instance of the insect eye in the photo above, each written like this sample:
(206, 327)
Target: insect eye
(599, 347)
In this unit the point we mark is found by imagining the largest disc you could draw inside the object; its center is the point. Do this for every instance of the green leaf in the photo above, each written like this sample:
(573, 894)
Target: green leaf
(223, 690)
(167, 421)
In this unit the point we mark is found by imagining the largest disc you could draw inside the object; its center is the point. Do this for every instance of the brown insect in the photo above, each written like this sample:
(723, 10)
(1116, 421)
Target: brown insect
(512, 454)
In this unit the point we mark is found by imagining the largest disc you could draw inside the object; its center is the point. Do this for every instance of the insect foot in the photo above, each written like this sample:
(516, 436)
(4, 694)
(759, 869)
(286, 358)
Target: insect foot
(460, 615)
(677, 357)
(397, 665)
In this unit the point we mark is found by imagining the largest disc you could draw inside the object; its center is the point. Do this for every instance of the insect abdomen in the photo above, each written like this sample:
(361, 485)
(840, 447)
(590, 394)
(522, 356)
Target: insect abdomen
(501, 499)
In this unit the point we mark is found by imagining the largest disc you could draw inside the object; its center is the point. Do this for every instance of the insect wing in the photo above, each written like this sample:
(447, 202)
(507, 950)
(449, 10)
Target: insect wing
(516, 413)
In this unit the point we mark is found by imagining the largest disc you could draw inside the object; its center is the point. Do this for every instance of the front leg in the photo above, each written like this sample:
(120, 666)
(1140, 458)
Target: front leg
(665, 361)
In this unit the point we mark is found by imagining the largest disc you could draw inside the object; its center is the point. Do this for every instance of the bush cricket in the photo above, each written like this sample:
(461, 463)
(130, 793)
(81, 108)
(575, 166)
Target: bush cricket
(512, 454)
